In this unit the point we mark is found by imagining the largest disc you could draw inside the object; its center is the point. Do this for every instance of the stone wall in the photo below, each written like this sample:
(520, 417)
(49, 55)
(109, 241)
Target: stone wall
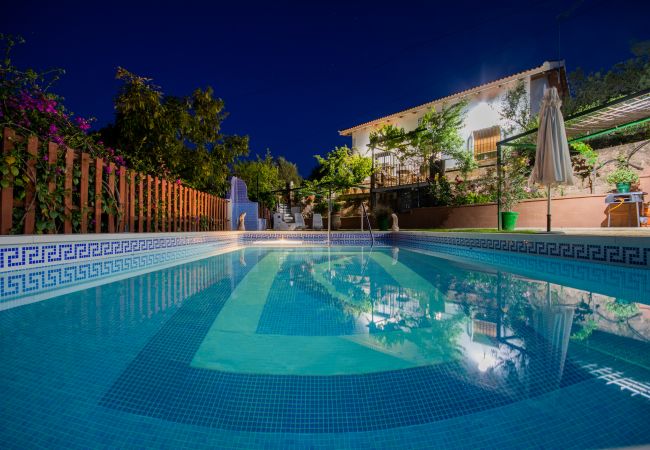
(641, 158)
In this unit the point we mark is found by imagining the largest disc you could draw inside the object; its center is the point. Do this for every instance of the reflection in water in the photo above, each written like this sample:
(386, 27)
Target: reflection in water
(513, 332)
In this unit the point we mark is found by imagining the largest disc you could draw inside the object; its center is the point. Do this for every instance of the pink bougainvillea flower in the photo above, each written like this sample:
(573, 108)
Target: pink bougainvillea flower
(45, 158)
(50, 106)
(178, 181)
(82, 124)
(108, 169)
(53, 129)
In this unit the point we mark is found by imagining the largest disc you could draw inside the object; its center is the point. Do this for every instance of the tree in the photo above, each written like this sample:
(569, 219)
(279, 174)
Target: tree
(261, 177)
(595, 88)
(515, 110)
(439, 133)
(343, 169)
(288, 171)
(389, 138)
(517, 163)
(174, 136)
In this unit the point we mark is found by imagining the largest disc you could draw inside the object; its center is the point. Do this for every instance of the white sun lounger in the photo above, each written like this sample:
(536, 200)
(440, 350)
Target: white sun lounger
(300, 221)
(317, 222)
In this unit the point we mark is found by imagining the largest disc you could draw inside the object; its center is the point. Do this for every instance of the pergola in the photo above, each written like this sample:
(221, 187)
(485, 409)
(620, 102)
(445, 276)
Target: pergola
(613, 116)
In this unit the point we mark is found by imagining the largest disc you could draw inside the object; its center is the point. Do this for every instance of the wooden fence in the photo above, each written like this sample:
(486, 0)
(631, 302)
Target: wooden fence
(138, 202)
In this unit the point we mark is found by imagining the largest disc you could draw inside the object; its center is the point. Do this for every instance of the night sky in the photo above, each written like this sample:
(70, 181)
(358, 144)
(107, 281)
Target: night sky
(294, 73)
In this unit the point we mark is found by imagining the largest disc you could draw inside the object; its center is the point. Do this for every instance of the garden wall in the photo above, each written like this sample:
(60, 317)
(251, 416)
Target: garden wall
(640, 159)
(576, 210)
(581, 211)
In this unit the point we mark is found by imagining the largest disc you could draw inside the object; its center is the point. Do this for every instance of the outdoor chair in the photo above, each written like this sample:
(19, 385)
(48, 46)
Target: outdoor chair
(317, 222)
(299, 220)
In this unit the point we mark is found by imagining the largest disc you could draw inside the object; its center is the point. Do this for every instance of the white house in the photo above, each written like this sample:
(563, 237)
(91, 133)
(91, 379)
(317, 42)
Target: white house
(483, 124)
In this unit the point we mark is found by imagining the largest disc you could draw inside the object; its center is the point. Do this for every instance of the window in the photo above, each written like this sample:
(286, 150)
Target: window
(485, 142)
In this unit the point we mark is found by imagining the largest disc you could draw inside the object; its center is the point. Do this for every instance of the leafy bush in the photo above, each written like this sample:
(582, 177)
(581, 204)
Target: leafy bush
(320, 207)
(28, 107)
(381, 212)
(585, 164)
(440, 190)
(514, 179)
(623, 173)
(473, 192)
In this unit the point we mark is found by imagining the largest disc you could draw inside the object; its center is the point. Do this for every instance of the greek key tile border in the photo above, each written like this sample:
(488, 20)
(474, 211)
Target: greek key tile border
(31, 255)
(628, 255)
(25, 256)
(635, 282)
(337, 238)
(14, 284)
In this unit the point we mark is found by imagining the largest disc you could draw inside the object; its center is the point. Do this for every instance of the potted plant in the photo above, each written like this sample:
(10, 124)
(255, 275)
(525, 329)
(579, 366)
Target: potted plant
(514, 187)
(623, 176)
(336, 215)
(382, 216)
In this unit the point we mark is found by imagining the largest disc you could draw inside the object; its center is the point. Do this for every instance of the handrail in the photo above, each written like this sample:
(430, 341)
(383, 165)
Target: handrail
(365, 213)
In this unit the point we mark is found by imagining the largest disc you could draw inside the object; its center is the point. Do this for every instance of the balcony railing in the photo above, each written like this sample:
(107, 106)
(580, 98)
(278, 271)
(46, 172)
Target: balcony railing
(390, 171)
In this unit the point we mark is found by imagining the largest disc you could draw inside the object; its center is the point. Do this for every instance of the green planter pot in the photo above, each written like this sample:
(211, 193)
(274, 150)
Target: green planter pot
(383, 223)
(623, 187)
(509, 220)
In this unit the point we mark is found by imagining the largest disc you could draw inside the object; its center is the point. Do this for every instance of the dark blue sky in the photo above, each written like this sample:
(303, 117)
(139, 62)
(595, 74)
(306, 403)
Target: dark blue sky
(293, 73)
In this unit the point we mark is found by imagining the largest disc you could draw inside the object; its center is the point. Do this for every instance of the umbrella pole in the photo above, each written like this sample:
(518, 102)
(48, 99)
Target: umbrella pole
(548, 210)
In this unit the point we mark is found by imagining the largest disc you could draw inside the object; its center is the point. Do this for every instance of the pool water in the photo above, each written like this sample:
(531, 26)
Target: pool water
(332, 348)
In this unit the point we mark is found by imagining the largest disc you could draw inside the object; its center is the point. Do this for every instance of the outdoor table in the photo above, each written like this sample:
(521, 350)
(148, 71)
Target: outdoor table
(618, 198)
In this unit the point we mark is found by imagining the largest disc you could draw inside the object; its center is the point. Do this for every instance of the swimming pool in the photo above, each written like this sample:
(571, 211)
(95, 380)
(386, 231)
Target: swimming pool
(383, 347)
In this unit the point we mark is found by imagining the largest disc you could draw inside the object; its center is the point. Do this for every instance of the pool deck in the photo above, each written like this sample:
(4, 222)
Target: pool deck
(632, 232)
(613, 231)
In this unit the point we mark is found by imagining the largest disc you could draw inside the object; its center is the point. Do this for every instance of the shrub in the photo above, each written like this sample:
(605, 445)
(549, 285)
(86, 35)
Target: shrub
(623, 173)
(28, 107)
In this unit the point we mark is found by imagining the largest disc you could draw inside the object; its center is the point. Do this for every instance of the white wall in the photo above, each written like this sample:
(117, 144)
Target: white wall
(481, 112)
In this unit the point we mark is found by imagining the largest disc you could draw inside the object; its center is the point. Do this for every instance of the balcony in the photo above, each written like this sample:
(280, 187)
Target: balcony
(391, 172)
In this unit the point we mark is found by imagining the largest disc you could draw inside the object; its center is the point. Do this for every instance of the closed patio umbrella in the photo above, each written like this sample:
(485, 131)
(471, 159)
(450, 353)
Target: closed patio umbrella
(552, 160)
